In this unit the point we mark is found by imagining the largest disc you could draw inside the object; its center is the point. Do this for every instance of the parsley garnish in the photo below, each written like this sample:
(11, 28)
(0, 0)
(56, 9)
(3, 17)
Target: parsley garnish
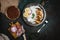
(33, 15)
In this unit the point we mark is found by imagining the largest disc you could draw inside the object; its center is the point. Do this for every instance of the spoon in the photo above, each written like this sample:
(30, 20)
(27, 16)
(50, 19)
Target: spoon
(42, 26)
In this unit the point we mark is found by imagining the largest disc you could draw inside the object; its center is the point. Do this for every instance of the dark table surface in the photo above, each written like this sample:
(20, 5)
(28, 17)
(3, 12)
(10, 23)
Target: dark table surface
(49, 32)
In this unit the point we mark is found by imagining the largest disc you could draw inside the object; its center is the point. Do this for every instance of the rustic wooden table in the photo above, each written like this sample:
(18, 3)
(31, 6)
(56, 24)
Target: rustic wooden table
(47, 33)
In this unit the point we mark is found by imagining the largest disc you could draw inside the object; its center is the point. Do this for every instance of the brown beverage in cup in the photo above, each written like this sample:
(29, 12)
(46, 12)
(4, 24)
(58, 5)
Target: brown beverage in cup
(12, 13)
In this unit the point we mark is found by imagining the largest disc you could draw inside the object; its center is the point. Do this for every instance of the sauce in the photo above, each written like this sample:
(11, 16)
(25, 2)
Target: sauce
(12, 12)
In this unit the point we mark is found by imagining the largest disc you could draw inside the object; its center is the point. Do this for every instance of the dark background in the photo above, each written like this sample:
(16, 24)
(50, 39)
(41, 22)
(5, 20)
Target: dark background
(50, 32)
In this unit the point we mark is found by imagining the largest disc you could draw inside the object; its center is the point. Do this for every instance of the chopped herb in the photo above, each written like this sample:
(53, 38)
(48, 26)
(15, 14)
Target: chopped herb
(33, 15)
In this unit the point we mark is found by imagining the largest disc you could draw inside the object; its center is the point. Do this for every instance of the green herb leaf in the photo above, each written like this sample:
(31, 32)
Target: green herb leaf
(33, 15)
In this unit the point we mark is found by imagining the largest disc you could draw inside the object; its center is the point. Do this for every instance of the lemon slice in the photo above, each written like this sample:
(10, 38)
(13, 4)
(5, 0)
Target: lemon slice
(26, 15)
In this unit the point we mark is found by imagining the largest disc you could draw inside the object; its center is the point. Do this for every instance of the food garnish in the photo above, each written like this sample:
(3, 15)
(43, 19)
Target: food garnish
(33, 15)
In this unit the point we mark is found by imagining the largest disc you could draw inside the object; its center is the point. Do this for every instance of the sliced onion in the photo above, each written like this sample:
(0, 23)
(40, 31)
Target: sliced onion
(13, 29)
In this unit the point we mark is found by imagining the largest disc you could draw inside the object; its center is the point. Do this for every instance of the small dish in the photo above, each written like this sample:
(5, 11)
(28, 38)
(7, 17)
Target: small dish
(3, 37)
(16, 29)
(12, 13)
